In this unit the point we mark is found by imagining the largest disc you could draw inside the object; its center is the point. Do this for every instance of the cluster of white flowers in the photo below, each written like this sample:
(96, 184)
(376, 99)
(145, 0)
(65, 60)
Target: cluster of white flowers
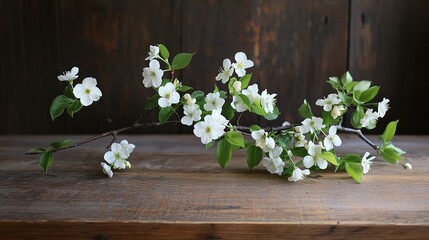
(212, 128)
(370, 118)
(117, 157)
(240, 66)
(152, 75)
(87, 91)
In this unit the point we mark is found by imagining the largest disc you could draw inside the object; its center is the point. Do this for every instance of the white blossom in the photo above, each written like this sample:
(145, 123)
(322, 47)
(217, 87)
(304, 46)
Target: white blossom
(241, 64)
(238, 104)
(328, 102)
(217, 115)
(226, 72)
(208, 130)
(311, 125)
(263, 141)
(298, 174)
(87, 91)
(332, 139)
(117, 156)
(152, 75)
(383, 106)
(153, 52)
(337, 111)
(369, 120)
(268, 101)
(127, 147)
(300, 140)
(192, 114)
(213, 101)
(252, 93)
(366, 162)
(189, 100)
(69, 75)
(107, 169)
(168, 95)
(314, 158)
(274, 163)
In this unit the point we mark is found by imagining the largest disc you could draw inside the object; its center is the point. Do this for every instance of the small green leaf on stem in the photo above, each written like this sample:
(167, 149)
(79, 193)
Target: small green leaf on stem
(235, 138)
(354, 170)
(357, 115)
(223, 152)
(305, 110)
(245, 80)
(68, 92)
(61, 143)
(164, 51)
(58, 105)
(164, 114)
(389, 132)
(152, 102)
(253, 156)
(390, 155)
(74, 107)
(181, 60)
(369, 94)
(36, 150)
(362, 86)
(346, 77)
(45, 160)
(330, 157)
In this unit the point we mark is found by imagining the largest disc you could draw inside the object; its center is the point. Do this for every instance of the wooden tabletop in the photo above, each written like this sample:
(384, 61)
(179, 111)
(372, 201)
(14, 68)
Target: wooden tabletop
(176, 190)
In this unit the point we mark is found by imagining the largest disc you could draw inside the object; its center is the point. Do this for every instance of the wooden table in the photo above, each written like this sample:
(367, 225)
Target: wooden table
(176, 190)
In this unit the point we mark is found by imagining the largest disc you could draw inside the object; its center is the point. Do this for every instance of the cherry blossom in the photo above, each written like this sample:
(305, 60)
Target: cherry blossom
(242, 63)
(226, 72)
(69, 75)
(168, 95)
(152, 75)
(87, 91)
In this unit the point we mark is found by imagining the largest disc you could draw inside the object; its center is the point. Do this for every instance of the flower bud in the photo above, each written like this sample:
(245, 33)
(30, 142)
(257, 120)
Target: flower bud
(408, 166)
(237, 86)
(337, 111)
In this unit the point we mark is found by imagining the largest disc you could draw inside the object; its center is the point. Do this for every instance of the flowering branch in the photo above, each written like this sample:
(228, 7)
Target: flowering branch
(284, 150)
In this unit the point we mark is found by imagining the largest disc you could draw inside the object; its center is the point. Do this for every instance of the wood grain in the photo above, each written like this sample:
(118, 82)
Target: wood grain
(176, 187)
(388, 45)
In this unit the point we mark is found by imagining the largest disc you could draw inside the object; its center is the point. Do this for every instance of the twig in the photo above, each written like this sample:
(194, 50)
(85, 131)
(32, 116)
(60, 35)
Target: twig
(112, 133)
(360, 135)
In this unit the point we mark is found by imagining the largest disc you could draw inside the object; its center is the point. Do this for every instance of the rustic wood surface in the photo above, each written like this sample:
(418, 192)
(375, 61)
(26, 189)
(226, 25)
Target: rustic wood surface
(176, 190)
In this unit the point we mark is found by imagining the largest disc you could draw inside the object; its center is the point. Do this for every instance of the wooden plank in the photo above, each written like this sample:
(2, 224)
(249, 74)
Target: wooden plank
(388, 45)
(296, 46)
(109, 40)
(175, 184)
(28, 66)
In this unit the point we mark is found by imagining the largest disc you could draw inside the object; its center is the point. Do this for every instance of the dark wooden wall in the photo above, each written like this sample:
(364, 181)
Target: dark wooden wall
(295, 44)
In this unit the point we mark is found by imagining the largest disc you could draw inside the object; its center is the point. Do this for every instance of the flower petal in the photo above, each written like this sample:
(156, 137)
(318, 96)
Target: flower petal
(308, 161)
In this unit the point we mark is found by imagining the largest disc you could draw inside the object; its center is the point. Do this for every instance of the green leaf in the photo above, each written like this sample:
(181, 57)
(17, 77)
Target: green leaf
(235, 138)
(389, 132)
(74, 107)
(330, 157)
(61, 143)
(347, 100)
(362, 86)
(390, 155)
(164, 114)
(164, 51)
(369, 94)
(36, 150)
(228, 112)
(45, 160)
(181, 60)
(346, 77)
(68, 92)
(354, 170)
(284, 140)
(305, 110)
(152, 102)
(358, 114)
(58, 105)
(335, 82)
(350, 85)
(245, 80)
(223, 152)
(356, 97)
(274, 115)
(352, 158)
(255, 128)
(245, 100)
(257, 108)
(210, 144)
(299, 151)
(183, 88)
(231, 85)
(253, 156)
